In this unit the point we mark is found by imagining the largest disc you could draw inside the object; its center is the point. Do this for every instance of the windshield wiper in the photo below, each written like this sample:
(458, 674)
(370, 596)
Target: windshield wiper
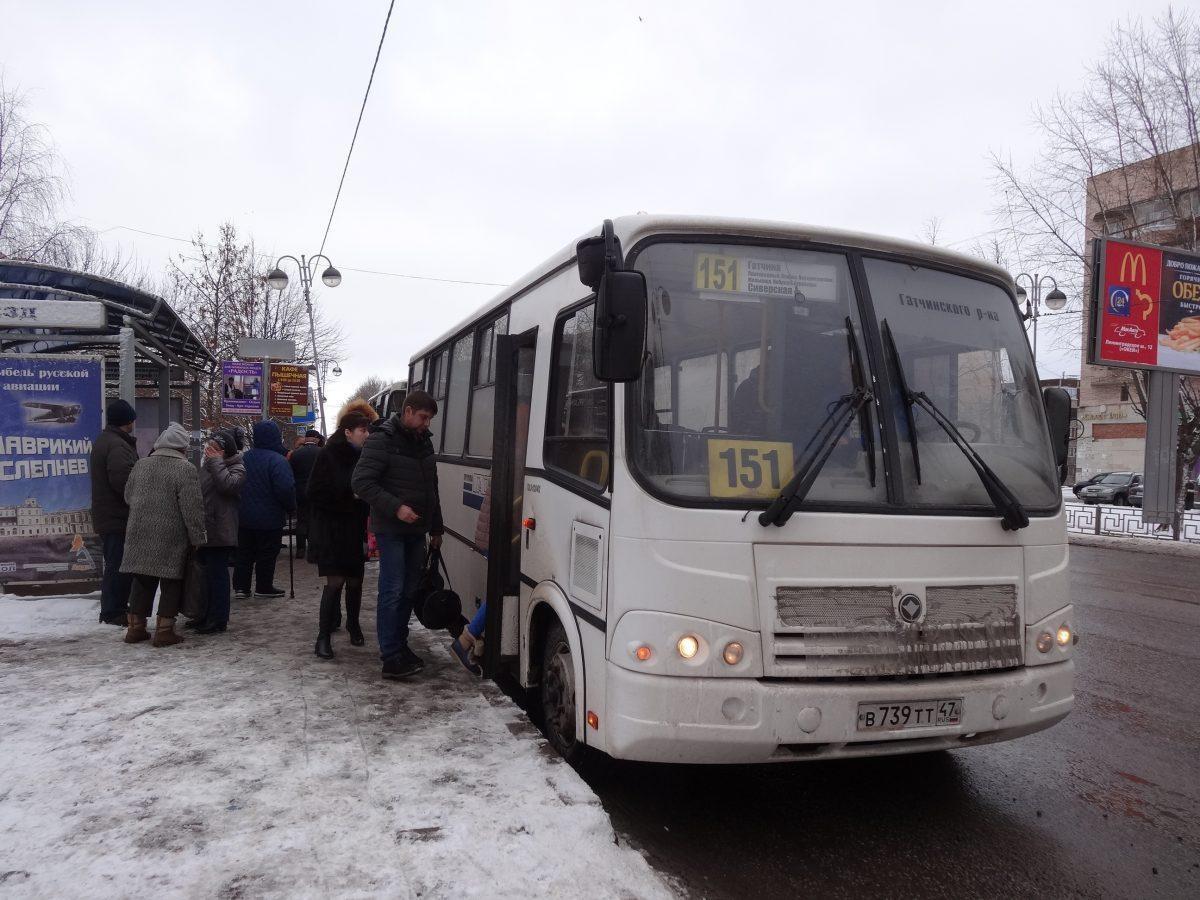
(860, 384)
(822, 442)
(890, 344)
(1011, 512)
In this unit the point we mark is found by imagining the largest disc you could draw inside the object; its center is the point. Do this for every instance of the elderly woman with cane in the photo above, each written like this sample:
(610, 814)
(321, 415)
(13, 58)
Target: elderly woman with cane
(166, 520)
(337, 525)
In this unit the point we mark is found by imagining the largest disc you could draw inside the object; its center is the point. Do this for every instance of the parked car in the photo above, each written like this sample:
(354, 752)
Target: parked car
(1189, 495)
(1080, 485)
(1112, 488)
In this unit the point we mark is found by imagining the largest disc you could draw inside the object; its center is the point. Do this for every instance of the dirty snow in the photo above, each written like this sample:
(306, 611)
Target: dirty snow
(240, 765)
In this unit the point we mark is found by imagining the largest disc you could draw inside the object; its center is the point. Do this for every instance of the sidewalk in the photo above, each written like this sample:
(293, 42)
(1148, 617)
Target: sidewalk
(240, 765)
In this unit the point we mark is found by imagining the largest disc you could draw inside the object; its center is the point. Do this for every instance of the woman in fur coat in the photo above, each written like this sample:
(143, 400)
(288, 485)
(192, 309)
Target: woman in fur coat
(337, 526)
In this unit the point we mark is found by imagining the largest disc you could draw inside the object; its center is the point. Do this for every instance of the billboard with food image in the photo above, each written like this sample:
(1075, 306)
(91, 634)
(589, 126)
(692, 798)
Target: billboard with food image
(1147, 309)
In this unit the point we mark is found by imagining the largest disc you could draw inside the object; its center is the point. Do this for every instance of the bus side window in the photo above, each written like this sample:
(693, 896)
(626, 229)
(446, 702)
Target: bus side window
(577, 439)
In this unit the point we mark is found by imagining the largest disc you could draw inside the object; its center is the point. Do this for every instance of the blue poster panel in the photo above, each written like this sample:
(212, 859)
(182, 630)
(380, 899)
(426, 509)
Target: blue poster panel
(50, 412)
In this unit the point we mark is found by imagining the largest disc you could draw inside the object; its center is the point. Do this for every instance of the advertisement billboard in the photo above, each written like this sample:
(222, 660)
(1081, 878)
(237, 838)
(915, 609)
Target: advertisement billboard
(241, 388)
(1147, 307)
(289, 391)
(50, 412)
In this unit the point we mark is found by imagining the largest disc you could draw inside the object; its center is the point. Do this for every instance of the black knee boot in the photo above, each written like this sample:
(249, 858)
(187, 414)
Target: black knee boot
(329, 604)
(353, 605)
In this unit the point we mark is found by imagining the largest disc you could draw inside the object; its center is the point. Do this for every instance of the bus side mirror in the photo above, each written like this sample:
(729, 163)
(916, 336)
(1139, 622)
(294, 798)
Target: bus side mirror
(620, 330)
(1058, 418)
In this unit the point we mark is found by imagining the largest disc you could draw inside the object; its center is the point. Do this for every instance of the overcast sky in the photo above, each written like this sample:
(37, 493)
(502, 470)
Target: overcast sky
(496, 133)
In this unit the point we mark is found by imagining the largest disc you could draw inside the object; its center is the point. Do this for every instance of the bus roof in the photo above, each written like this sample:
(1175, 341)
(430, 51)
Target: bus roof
(631, 229)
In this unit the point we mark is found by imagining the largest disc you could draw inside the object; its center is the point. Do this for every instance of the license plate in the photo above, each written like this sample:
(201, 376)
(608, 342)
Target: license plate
(911, 714)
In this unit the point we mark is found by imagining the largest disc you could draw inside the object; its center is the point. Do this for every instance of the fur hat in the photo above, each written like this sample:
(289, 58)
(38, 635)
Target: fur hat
(356, 414)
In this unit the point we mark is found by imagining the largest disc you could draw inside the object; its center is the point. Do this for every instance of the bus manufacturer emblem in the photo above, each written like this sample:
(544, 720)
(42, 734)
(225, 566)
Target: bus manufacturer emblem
(910, 608)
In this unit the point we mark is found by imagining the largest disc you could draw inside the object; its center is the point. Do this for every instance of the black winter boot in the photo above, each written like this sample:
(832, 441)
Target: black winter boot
(353, 605)
(324, 647)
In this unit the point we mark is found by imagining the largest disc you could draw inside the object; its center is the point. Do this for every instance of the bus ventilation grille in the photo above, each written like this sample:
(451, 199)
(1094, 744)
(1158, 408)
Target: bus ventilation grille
(854, 632)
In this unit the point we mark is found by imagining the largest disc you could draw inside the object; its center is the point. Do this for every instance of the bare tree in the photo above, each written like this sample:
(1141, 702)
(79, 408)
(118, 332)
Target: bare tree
(930, 230)
(222, 292)
(1132, 133)
(370, 386)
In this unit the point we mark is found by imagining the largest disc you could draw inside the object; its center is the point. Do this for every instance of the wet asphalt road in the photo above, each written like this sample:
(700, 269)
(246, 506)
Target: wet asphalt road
(1105, 804)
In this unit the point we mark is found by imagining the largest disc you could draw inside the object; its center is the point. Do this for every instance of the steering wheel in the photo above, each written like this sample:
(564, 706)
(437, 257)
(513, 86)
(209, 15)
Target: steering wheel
(970, 430)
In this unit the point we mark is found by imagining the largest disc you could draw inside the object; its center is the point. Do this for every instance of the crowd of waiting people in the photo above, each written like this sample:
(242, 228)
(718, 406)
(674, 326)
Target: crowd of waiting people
(175, 531)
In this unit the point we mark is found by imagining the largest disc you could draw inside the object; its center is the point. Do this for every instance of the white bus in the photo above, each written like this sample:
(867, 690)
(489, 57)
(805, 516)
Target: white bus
(390, 400)
(742, 491)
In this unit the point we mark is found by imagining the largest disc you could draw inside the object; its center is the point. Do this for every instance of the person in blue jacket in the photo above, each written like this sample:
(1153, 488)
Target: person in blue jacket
(268, 496)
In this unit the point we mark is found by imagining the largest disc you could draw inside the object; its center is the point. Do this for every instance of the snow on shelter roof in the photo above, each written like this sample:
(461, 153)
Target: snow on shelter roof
(21, 280)
(631, 229)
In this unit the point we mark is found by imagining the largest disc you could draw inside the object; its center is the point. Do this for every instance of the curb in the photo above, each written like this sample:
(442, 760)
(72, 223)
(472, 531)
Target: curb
(1138, 545)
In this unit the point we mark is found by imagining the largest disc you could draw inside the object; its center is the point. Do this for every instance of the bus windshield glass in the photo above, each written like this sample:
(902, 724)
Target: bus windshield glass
(751, 348)
(961, 344)
(748, 355)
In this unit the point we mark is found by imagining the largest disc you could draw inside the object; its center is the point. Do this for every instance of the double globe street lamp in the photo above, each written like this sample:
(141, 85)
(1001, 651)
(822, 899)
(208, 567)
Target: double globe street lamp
(1055, 300)
(331, 277)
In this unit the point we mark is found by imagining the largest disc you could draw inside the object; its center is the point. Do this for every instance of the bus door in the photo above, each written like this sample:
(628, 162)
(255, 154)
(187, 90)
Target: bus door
(510, 436)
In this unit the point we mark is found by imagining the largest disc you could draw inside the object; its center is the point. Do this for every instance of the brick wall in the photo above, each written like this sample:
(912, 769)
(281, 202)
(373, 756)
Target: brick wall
(1103, 431)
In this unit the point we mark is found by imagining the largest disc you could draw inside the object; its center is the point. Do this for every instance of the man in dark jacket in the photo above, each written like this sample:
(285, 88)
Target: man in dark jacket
(268, 495)
(113, 456)
(302, 459)
(397, 475)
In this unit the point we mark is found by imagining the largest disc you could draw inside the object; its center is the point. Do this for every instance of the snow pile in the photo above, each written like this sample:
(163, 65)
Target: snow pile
(240, 765)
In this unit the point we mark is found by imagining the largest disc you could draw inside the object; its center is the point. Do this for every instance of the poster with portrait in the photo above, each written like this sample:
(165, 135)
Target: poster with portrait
(241, 388)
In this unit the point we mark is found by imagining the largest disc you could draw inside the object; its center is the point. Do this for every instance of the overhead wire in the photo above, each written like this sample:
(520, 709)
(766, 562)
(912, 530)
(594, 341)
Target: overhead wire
(357, 124)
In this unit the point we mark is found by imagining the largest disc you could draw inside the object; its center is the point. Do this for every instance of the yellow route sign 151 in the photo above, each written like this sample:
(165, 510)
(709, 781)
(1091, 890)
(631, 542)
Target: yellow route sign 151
(748, 468)
(718, 273)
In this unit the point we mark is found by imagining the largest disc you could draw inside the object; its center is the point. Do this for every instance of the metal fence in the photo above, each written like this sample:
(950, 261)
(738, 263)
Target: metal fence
(1126, 521)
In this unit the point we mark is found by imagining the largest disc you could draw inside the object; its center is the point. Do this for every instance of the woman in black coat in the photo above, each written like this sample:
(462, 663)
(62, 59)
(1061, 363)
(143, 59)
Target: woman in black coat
(337, 526)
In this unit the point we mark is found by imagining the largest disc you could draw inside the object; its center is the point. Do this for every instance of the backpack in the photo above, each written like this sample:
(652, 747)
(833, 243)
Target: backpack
(435, 604)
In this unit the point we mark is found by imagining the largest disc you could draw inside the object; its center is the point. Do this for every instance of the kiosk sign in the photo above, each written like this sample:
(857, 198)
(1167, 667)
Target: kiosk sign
(1147, 314)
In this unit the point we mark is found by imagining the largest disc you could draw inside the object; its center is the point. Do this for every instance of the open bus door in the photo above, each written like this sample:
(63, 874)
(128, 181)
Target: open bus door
(515, 356)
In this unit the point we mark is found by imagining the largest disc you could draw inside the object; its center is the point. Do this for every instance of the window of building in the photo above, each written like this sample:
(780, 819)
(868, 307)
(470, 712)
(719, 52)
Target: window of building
(577, 438)
(454, 433)
(483, 389)
(1125, 393)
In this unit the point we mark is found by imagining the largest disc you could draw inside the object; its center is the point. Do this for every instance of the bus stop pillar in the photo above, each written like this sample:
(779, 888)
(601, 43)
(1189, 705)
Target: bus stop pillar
(127, 378)
(1162, 435)
(164, 397)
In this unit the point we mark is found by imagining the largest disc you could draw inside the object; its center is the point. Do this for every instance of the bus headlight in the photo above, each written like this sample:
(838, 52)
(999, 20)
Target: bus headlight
(733, 653)
(1063, 635)
(1045, 641)
(688, 646)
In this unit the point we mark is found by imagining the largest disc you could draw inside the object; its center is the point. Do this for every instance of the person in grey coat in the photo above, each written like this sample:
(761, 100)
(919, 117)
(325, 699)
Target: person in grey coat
(221, 477)
(166, 519)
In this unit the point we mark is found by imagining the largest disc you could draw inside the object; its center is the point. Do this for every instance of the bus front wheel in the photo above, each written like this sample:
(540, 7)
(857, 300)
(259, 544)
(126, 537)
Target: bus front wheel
(558, 695)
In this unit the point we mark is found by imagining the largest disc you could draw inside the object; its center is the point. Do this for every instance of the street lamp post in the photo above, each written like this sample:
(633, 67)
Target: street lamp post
(1032, 299)
(331, 277)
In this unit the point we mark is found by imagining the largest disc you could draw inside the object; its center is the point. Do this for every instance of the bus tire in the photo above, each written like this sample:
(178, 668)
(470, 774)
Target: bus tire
(556, 696)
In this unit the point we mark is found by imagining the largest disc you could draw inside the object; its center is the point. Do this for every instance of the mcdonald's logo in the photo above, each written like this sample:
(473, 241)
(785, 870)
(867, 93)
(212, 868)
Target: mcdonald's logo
(1133, 262)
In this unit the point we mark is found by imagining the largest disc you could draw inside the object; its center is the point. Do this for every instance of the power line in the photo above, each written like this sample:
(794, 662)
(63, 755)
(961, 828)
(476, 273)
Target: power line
(361, 110)
(409, 275)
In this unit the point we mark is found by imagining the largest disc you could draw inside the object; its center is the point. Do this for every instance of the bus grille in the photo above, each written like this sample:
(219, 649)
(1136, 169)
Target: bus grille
(854, 632)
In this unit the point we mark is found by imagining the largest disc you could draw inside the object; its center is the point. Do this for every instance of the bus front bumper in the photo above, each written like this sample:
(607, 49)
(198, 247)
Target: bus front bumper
(662, 718)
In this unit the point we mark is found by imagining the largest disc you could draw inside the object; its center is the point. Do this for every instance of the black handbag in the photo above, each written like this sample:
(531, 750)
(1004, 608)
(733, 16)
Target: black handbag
(435, 604)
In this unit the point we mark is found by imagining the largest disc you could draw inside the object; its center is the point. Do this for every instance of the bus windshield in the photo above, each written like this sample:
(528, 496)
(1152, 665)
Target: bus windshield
(750, 348)
(748, 353)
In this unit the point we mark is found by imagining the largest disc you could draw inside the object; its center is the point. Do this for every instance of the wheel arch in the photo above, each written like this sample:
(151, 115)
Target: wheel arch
(547, 603)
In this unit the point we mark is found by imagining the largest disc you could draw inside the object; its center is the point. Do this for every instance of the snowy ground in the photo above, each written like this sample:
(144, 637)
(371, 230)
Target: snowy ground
(240, 765)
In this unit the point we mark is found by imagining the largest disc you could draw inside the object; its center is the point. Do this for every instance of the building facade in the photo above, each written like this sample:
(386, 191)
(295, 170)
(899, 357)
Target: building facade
(31, 520)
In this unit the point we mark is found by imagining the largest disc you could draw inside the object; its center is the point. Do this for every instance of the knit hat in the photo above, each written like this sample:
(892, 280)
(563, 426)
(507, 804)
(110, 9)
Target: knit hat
(174, 437)
(119, 413)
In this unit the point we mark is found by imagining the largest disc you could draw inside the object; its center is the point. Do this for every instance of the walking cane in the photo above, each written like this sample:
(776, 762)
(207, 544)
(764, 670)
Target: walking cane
(291, 568)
